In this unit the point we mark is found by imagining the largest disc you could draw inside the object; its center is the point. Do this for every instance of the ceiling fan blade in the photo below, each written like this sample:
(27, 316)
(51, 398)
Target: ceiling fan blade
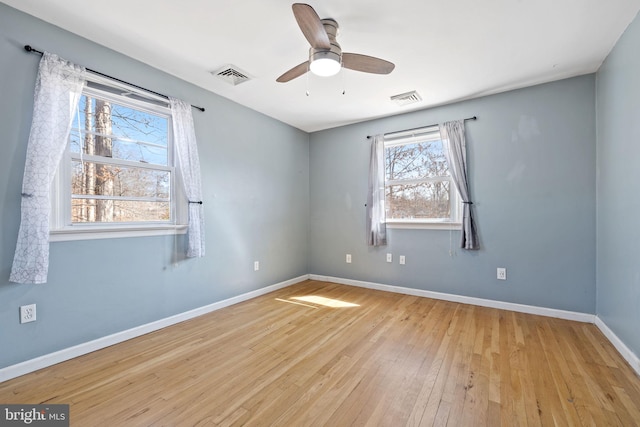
(311, 26)
(366, 64)
(296, 71)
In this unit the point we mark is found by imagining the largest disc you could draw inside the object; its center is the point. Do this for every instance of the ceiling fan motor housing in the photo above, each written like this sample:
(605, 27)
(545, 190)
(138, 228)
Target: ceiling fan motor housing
(335, 51)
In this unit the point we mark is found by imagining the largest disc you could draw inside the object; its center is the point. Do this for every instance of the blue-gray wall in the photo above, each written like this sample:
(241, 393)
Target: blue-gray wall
(618, 112)
(255, 173)
(531, 156)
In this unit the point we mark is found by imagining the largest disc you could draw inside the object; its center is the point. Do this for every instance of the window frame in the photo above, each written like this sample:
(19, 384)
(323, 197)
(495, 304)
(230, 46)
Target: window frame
(431, 133)
(61, 227)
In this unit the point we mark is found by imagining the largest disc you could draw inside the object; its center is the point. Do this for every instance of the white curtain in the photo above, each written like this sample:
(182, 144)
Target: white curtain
(58, 89)
(455, 150)
(187, 150)
(376, 225)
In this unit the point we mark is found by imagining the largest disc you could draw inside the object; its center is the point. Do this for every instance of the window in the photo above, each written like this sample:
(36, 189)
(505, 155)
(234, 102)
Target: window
(118, 175)
(419, 191)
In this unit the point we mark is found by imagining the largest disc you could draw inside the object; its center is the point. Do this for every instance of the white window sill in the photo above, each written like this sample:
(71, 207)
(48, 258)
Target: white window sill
(115, 232)
(424, 225)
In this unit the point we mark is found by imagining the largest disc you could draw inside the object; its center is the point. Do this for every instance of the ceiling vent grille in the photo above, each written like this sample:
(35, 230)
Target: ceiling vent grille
(406, 98)
(232, 75)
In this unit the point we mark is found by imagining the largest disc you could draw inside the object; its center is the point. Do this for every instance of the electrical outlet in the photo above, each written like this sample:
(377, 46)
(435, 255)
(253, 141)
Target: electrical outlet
(389, 257)
(402, 260)
(348, 258)
(501, 273)
(27, 313)
(256, 265)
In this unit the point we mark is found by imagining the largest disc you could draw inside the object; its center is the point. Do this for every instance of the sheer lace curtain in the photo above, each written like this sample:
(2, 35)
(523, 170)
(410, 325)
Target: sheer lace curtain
(58, 89)
(455, 150)
(376, 225)
(187, 151)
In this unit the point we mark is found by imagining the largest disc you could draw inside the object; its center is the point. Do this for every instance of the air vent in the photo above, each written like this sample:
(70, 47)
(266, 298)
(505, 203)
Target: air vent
(232, 75)
(406, 98)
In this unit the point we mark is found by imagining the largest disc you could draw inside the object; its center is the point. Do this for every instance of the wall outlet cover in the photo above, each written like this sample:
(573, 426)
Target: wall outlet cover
(27, 313)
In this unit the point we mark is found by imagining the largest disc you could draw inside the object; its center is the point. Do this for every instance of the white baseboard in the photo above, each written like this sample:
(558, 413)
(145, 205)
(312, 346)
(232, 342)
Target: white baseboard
(50, 359)
(625, 351)
(521, 308)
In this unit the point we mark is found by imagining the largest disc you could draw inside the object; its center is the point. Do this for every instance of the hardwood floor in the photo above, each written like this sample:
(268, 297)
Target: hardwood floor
(320, 354)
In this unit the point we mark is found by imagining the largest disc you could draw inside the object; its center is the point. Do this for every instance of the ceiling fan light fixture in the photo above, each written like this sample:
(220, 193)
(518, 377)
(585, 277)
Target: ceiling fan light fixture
(325, 63)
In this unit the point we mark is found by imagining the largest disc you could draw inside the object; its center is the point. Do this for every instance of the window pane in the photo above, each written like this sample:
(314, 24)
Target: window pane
(428, 200)
(91, 178)
(415, 161)
(100, 211)
(104, 128)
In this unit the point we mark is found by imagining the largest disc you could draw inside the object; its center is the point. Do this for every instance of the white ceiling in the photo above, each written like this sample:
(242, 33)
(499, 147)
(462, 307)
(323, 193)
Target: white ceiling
(446, 50)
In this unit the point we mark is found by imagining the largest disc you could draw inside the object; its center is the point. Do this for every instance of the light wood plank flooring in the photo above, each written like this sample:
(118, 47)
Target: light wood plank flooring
(322, 354)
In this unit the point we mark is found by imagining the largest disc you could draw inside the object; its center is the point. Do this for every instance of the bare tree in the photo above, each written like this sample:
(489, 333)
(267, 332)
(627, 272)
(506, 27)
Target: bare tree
(127, 193)
(415, 198)
(88, 207)
(104, 148)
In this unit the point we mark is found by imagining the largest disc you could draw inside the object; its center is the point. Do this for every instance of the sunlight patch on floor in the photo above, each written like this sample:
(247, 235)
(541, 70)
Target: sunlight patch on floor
(296, 303)
(327, 302)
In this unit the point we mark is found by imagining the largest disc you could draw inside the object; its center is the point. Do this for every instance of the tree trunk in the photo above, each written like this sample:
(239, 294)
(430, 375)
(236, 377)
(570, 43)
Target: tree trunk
(103, 174)
(88, 210)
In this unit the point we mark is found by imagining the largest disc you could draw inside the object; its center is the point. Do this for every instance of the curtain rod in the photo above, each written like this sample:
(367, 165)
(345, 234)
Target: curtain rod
(32, 50)
(421, 127)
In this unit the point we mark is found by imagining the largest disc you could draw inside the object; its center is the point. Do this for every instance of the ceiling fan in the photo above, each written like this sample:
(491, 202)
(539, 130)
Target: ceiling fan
(325, 54)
